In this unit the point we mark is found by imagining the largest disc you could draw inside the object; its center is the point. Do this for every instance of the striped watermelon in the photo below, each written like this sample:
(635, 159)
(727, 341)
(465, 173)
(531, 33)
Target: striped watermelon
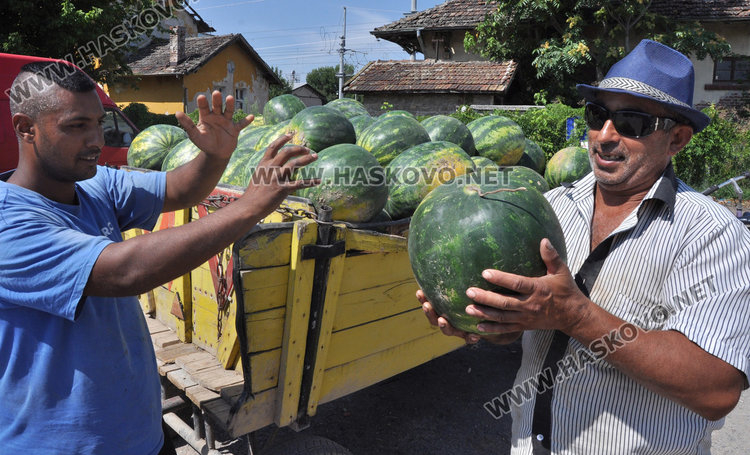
(524, 176)
(153, 144)
(271, 134)
(498, 138)
(180, 154)
(451, 129)
(464, 227)
(280, 108)
(250, 136)
(236, 172)
(567, 166)
(398, 112)
(360, 123)
(420, 169)
(349, 107)
(319, 127)
(533, 157)
(482, 163)
(387, 137)
(352, 183)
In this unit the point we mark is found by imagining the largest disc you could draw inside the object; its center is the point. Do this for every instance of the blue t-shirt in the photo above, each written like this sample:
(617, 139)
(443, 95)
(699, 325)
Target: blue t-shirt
(77, 375)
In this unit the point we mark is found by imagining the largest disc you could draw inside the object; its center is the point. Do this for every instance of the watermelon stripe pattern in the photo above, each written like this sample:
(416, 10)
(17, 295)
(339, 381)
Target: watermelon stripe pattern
(319, 127)
(567, 166)
(281, 108)
(153, 144)
(498, 138)
(388, 137)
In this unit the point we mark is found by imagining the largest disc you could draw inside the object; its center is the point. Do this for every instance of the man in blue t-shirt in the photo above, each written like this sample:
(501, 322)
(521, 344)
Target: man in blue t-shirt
(77, 369)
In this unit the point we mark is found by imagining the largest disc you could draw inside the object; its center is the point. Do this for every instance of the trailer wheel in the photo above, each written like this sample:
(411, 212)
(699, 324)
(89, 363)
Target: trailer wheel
(307, 445)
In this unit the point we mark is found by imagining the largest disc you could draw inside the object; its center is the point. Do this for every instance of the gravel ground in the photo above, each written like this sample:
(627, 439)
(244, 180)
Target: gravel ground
(437, 408)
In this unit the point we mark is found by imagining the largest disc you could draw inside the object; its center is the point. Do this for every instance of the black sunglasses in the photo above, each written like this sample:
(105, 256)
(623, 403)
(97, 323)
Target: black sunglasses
(627, 123)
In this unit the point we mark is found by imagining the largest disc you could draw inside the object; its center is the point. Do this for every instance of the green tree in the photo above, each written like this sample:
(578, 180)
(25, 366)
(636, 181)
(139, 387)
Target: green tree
(324, 80)
(96, 35)
(275, 89)
(558, 43)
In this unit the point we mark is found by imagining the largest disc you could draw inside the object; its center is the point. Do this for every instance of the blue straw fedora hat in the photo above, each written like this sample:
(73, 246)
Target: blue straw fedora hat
(656, 72)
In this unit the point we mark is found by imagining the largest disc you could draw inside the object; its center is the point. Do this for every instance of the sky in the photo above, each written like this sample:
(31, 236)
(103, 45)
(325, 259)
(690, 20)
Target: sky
(301, 35)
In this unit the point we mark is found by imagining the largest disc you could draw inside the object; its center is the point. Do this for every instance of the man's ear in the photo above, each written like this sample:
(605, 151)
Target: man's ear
(24, 127)
(679, 136)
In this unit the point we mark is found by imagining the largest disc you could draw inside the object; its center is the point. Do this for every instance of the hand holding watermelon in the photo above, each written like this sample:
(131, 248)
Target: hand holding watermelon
(552, 301)
(216, 133)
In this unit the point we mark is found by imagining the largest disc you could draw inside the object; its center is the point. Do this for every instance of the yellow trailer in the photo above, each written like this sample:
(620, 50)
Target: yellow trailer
(299, 312)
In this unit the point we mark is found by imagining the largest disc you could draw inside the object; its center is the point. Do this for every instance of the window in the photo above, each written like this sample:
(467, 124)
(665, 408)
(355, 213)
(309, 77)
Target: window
(117, 131)
(732, 69)
(239, 98)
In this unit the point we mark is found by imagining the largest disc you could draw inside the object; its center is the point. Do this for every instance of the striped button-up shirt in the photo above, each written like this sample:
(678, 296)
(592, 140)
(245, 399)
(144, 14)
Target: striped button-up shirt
(679, 262)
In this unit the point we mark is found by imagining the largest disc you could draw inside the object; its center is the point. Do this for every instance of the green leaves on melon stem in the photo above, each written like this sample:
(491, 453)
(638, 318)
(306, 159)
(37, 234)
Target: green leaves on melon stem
(499, 190)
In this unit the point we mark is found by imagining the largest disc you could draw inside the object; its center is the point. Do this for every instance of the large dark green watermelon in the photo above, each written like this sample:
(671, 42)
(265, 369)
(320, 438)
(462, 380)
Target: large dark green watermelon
(498, 138)
(280, 108)
(349, 107)
(360, 123)
(420, 169)
(180, 154)
(387, 137)
(151, 146)
(271, 134)
(524, 176)
(482, 163)
(465, 227)
(319, 127)
(250, 136)
(533, 157)
(451, 129)
(567, 165)
(352, 183)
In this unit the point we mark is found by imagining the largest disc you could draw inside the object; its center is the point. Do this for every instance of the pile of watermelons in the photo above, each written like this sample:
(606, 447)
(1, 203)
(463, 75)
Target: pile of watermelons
(374, 168)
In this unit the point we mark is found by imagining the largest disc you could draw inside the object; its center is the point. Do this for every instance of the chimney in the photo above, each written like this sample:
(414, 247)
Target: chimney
(176, 45)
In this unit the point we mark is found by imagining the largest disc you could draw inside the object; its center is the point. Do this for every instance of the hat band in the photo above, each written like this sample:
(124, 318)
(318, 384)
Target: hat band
(624, 83)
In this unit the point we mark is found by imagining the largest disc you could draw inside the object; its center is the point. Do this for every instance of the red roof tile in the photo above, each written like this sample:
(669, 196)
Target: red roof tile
(430, 76)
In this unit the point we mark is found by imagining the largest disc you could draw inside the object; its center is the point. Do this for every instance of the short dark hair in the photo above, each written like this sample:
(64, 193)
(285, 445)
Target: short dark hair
(27, 91)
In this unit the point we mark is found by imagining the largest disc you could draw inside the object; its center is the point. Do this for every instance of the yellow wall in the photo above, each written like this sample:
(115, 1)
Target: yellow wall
(164, 94)
(215, 73)
(161, 94)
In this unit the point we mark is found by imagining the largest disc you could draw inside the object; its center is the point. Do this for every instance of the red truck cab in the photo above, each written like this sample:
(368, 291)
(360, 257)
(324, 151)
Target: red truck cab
(119, 131)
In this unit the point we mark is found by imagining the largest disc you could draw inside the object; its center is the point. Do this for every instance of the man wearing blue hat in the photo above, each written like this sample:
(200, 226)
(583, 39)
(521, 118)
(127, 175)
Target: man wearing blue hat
(641, 342)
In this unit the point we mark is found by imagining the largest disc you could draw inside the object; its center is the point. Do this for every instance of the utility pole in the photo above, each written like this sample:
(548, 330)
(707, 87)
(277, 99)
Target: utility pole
(341, 73)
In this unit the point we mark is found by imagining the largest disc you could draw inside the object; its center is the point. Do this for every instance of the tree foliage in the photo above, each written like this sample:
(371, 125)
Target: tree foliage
(325, 81)
(275, 89)
(96, 35)
(559, 43)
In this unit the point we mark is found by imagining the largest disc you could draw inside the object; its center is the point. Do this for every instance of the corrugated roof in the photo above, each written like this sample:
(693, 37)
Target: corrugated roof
(430, 76)
(153, 59)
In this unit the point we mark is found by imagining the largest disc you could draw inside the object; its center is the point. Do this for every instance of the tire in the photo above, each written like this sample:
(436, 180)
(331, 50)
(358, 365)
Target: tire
(307, 445)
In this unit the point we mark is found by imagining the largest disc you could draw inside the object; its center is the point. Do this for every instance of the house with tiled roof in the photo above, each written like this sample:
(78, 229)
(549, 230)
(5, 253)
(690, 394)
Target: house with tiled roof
(448, 76)
(169, 74)
(437, 33)
(722, 81)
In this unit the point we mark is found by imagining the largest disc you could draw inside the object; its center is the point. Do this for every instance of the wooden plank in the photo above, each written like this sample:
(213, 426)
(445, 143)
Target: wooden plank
(264, 369)
(356, 375)
(181, 379)
(155, 326)
(252, 415)
(375, 269)
(196, 362)
(295, 323)
(164, 339)
(201, 395)
(371, 304)
(263, 289)
(268, 248)
(367, 339)
(328, 314)
(165, 368)
(374, 242)
(216, 378)
(265, 329)
(170, 353)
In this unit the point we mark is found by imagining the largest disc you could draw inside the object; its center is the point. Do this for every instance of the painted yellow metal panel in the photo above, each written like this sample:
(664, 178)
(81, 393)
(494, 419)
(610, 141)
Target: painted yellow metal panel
(358, 374)
(295, 323)
(335, 275)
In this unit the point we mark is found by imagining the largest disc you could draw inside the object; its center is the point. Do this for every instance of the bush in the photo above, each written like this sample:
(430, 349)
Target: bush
(719, 152)
(143, 118)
